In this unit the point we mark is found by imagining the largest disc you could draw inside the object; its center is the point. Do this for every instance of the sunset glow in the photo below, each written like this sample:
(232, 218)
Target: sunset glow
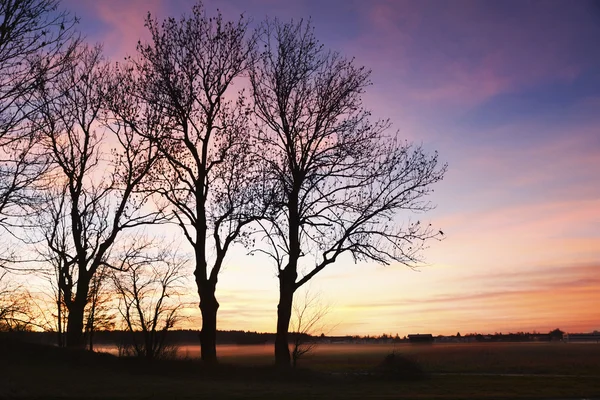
(508, 93)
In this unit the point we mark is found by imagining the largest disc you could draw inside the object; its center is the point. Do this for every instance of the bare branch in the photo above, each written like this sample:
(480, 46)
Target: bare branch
(90, 197)
(149, 302)
(342, 183)
(185, 76)
(37, 40)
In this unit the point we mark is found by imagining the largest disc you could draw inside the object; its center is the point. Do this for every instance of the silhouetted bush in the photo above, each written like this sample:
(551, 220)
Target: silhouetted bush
(126, 348)
(398, 367)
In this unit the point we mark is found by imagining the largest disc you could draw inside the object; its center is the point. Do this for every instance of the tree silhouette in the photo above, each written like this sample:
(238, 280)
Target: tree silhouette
(89, 197)
(148, 294)
(99, 313)
(187, 71)
(36, 41)
(16, 313)
(342, 183)
(307, 319)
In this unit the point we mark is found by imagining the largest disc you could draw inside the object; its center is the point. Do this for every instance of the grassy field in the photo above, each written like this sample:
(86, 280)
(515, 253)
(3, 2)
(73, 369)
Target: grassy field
(453, 371)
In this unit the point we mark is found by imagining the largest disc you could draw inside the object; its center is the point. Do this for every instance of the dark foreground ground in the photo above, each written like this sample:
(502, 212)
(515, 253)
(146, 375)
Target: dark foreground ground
(468, 371)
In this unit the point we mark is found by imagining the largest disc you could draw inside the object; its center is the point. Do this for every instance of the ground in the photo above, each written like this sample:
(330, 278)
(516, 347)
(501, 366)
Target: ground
(453, 371)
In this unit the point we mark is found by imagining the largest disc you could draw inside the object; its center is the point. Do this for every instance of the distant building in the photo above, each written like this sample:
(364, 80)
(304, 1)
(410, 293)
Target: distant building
(421, 338)
(582, 337)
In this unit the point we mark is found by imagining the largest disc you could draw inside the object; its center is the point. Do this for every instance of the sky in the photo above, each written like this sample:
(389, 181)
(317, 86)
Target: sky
(508, 93)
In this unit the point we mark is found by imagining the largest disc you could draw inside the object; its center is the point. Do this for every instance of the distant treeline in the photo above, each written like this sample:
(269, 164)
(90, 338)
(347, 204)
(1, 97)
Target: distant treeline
(174, 337)
(250, 337)
(513, 337)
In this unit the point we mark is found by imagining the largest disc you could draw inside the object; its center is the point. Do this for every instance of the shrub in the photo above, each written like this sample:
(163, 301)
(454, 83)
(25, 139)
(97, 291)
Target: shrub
(396, 366)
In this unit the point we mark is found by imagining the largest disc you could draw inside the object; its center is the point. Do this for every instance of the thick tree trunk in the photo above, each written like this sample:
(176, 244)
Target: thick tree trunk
(208, 336)
(75, 321)
(75, 336)
(284, 314)
(287, 282)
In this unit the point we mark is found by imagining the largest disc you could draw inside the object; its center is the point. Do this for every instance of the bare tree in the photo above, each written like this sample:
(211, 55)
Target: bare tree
(15, 306)
(90, 197)
(51, 311)
(187, 70)
(307, 321)
(342, 182)
(36, 41)
(149, 302)
(99, 313)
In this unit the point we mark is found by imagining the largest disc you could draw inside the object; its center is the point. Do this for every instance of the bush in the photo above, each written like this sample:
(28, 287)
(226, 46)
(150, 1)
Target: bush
(396, 366)
(166, 351)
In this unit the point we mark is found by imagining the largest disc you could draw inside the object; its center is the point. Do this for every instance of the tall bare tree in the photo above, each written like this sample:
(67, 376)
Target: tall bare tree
(343, 183)
(36, 41)
(188, 70)
(90, 195)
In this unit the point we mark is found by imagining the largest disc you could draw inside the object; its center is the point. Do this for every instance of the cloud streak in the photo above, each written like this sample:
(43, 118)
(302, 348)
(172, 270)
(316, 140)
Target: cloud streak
(523, 300)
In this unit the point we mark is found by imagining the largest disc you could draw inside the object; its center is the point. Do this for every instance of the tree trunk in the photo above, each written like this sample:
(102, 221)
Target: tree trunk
(75, 325)
(148, 345)
(284, 314)
(208, 336)
(91, 342)
(60, 337)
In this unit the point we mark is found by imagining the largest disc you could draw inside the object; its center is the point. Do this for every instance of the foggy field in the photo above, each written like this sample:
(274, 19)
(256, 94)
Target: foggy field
(468, 358)
(452, 371)
(481, 358)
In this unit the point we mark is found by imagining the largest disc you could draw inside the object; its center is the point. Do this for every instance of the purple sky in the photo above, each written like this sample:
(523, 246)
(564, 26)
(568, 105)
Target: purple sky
(509, 94)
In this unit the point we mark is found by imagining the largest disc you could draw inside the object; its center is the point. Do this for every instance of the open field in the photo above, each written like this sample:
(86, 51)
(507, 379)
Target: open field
(493, 358)
(453, 371)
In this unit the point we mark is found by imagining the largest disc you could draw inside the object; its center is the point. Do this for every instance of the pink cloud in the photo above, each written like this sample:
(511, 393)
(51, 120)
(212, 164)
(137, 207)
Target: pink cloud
(122, 23)
(126, 21)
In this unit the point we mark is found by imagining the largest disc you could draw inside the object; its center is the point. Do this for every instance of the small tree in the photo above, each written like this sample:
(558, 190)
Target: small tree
(15, 306)
(307, 320)
(50, 309)
(99, 313)
(148, 300)
(342, 182)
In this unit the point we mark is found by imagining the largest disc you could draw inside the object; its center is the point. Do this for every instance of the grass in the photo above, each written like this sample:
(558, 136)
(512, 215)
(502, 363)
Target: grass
(496, 358)
(551, 370)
